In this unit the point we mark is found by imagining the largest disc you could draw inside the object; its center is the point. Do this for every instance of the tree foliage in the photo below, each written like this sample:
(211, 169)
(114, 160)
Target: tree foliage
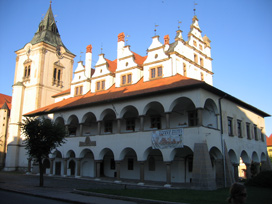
(42, 135)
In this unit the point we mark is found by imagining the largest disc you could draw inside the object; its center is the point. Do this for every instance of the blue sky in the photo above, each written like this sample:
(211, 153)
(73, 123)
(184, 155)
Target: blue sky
(240, 31)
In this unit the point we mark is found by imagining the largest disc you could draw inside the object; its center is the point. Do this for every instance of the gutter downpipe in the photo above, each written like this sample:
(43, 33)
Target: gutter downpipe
(222, 140)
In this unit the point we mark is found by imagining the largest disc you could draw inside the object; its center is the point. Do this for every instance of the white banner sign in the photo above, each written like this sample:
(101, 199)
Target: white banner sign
(162, 139)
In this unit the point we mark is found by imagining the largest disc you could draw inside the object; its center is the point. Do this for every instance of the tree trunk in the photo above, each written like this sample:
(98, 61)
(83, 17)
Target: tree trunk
(41, 171)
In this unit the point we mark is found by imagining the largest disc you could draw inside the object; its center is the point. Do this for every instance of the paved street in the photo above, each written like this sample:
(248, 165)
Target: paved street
(62, 189)
(8, 197)
(57, 188)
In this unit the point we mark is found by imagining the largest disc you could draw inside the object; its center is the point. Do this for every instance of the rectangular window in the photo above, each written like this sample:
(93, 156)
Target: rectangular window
(100, 85)
(255, 132)
(103, 85)
(155, 122)
(248, 130)
(192, 118)
(126, 79)
(130, 164)
(78, 90)
(194, 42)
(156, 72)
(130, 124)
(57, 76)
(153, 73)
(195, 58)
(108, 126)
(230, 130)
(262, 136)
(239, 128)
(201, 61)
(200, 47)
(129, 78)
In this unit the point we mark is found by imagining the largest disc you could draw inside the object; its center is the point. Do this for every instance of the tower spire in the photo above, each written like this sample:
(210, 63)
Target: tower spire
(48, 31)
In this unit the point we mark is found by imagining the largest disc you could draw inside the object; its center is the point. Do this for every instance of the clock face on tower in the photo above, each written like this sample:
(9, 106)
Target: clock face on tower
(59, 51)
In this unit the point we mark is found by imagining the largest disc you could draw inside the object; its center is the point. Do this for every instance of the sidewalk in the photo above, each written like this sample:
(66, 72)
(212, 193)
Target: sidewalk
(64, 189)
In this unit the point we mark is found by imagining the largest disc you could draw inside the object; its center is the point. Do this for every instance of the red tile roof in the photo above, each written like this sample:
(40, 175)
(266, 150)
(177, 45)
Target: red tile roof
(139, 59)
(135, 90)
(269, 141)
(140, 89)
(65, 92)
(5, 99)
(112, 65)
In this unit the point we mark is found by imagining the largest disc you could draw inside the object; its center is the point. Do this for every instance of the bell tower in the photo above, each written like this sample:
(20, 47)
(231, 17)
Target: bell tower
(44, 67)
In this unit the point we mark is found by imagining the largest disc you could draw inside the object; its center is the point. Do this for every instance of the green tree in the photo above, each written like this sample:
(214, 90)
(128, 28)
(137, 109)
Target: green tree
(42, 135)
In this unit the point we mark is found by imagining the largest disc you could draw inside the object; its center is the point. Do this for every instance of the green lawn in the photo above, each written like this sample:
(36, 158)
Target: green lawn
(255, 195)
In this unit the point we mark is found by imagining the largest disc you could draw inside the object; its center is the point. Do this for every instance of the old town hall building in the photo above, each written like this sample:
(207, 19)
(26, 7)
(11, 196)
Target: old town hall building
(147, 118)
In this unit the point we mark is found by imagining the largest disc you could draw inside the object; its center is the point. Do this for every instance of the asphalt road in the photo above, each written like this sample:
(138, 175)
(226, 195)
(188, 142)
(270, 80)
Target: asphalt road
(8, 197)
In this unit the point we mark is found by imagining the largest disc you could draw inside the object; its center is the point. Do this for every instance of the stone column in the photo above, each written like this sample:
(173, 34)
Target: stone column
(78, 167)
(141, 122)
(80, 129)
(248, 173)
(168, 174)
(118, 125)
(118, 163)
(65, 167)
(141, 171)
(67, 130)
(199, 116)
(235, 170)
(167, 117)
(98, 168)
(99, 127)
(51, 166)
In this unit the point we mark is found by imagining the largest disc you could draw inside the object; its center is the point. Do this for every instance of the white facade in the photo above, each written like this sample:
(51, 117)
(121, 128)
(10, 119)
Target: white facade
(112, 111)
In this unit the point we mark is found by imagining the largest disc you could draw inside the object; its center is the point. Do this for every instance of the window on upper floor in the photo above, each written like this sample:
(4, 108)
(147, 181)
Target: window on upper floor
(27, 72)
(78, 90)
(239, 128)
(200, 47)
(130, 124)
(262, 136)
(248, 131)
(126, 79)
(255, 132)
(195, 58)
(230, 126)
(108, 126)
(57, 76)
(156, 72)
(155, 121)
(194, 43)
(100, 85)
(192, 118)
(201, 62)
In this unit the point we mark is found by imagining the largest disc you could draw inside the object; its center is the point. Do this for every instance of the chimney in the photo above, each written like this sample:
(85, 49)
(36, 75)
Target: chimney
(120, 44)
(88, 61)
(166, 40)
